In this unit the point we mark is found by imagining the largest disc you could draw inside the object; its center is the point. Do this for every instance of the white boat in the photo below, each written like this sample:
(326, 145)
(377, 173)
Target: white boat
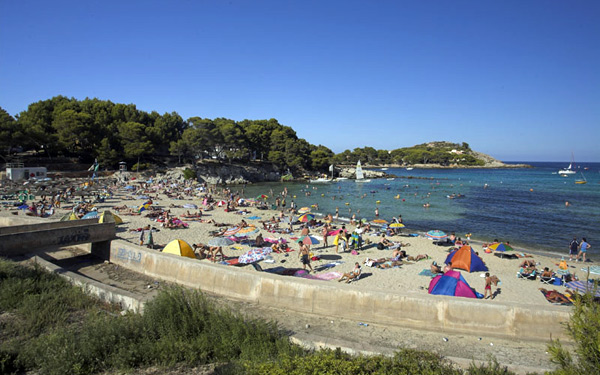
(569, 169)
(360, 176)
(320, 180)
(384, 169)
(409, 168)
(340, 179)
(391, 179)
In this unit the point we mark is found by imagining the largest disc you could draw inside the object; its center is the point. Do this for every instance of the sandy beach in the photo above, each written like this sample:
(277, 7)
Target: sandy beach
(403, 278)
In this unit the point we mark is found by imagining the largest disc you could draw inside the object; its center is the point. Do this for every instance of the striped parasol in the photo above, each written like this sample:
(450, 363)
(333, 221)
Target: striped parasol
(304, 210)
(247, 231)
(306, 218)
(436, 234)
(307, 240)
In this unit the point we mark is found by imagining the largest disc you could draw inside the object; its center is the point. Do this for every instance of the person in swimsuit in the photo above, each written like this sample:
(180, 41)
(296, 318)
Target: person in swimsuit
(304, 255)
(488, 286)
(583, 247)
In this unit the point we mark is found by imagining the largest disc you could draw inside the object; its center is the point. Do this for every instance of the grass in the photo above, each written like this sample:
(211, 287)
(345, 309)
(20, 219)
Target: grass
(50, 327)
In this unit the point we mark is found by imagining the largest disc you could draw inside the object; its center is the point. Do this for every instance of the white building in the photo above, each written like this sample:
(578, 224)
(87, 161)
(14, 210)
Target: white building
(18, 172)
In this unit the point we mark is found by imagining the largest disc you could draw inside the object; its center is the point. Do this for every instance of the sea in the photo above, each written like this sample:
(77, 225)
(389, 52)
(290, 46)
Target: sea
(525, 206)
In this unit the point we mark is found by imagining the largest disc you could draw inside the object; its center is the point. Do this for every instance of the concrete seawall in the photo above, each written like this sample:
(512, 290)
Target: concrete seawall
(327, 299)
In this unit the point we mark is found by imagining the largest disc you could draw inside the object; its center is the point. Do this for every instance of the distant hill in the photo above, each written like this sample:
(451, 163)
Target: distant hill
(439, 154)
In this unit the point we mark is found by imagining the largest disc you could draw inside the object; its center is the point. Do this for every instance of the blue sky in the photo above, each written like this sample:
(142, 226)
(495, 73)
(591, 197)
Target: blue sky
(519, 80)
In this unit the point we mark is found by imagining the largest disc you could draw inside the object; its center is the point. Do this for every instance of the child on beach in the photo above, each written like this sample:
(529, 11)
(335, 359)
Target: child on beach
(488, 286)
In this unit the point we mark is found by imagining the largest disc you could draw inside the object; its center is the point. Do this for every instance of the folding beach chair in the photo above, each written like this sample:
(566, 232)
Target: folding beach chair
(531, 276)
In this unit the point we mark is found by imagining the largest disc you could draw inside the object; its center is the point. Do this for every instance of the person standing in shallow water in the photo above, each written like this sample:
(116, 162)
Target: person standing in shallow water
(573, 248)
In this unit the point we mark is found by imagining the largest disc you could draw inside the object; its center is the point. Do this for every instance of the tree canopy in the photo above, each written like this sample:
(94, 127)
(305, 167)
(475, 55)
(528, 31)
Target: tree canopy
(111, 132)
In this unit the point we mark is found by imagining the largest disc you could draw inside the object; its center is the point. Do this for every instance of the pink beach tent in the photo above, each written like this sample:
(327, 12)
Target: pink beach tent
(451, 283)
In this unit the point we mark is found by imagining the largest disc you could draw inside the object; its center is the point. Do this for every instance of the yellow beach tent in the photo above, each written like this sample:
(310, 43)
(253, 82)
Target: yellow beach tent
(68, 217)
(109, 217)
(179, 247)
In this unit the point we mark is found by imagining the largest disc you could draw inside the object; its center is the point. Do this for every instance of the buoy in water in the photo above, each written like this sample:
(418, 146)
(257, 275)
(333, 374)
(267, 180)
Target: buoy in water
(397, 196)
(347, 204)
(322, 195)
(377, 202)
(530, 189)
(294, 196)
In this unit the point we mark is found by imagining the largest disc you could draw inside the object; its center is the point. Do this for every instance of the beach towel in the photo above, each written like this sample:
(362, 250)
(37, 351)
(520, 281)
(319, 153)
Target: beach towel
(254, 217)
(427, 272)
(323, 276)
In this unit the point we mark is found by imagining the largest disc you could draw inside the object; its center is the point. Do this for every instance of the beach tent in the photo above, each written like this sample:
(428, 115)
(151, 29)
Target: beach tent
(109, 217)
(466, 259)
(451, 283)
(179, 247)
(70, 216)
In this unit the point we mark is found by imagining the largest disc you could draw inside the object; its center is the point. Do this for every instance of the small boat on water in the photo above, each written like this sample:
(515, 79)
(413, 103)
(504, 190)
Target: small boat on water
(360, 176)
(320, 180)
(581, 180)
(569, 170)
(409, 168)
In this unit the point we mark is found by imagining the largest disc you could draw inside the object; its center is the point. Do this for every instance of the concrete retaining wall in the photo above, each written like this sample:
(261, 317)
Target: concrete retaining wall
(25, 238)
(327, 299)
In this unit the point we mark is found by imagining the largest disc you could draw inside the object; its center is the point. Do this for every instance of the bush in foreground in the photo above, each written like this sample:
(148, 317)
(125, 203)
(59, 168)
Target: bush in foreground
(179, 328)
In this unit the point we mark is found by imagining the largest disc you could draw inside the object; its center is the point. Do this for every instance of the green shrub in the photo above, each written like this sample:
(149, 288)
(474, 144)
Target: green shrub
(332, 362)
(189, 174)
(584, 328)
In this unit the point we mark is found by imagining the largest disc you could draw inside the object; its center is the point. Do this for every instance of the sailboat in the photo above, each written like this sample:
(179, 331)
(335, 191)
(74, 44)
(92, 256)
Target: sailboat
(569, 169)
(360, 176)
(582, 180)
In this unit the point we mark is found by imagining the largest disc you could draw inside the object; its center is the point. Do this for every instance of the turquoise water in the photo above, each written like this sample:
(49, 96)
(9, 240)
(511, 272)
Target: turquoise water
(523, 206)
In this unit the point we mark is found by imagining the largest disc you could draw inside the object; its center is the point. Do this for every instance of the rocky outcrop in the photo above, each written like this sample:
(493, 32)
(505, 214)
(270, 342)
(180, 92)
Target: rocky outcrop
(351, 173)
(220, 173)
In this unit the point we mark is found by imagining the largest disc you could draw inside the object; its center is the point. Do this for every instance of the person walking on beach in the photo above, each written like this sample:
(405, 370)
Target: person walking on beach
(304, 256)
(377, 212)
(573, 248)
(488, 286)
(583, 248)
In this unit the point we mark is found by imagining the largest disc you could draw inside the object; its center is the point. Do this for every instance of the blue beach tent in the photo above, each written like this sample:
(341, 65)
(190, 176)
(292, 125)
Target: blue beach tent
(452, 283)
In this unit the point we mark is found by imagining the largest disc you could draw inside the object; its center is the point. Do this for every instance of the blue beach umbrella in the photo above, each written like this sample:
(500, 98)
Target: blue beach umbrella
(436, 234)
(90, 215)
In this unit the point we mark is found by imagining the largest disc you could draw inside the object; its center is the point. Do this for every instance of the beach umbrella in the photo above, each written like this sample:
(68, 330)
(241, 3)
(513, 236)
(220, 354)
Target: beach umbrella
(220, 241)
(179, 247)
(307, 240)
(306, 218)
(304, 210)
(584, 287)
(380, 221)
(91, 215)
(500, 247)
(231, 231)
(221, 203)
(247, 231)
(397, 225)
(436, 234)
(254, 255)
